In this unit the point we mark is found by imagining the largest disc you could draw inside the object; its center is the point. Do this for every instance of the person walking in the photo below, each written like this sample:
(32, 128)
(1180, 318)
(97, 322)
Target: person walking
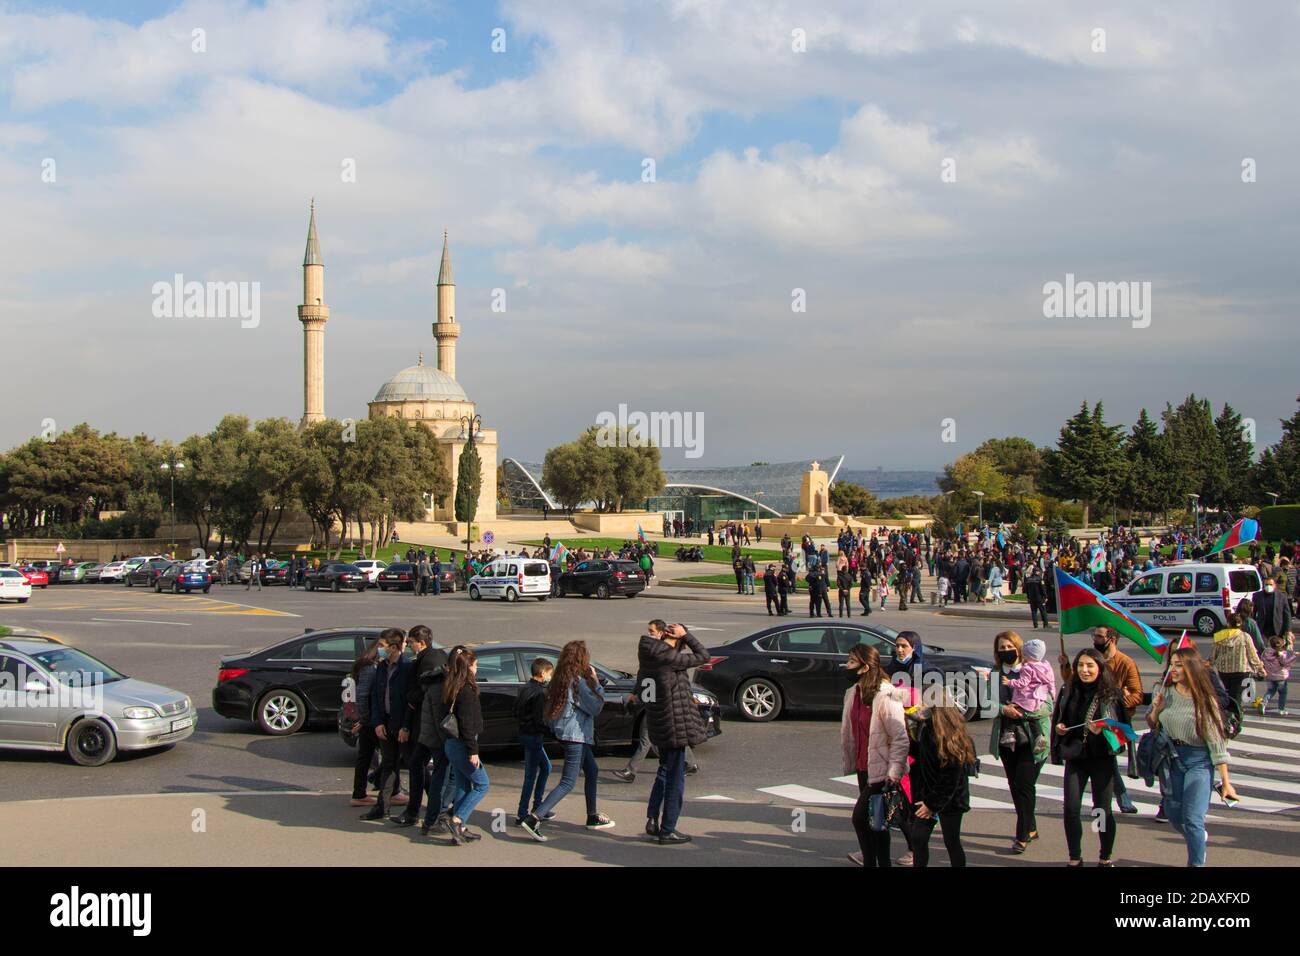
(254, 573)
(1234, 656)
(844, 586)
(437, 814)
(360, 679)
(864, 588)
(1089, 695)
(573, 699)
(873, 745)
(1272, 611)
(665, 654)
(1186, 710)
(435, 572)
(995, 582)
(422, 571)
(1036, 595)
(772, 590)
(943, 755)
(429, 669)
(462, 723)
(1277, 662)
(783, 579)
(388, 711)
(1019, 737)
(529, 708)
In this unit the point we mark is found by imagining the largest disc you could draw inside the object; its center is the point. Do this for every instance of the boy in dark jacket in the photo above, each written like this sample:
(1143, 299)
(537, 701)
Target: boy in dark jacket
(532, 729)
(665, 655)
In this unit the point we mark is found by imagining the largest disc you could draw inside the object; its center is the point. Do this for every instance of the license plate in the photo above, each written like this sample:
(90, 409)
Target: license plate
(182, 723)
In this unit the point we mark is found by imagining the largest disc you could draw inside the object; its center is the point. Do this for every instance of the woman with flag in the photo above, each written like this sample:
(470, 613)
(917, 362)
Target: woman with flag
(1083, 739)
(1186, 710)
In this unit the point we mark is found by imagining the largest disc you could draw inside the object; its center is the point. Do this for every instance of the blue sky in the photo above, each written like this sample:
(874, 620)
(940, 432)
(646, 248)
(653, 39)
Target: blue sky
(776, 170)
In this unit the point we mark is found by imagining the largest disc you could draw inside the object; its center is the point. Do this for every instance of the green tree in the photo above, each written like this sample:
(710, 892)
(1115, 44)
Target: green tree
(1088, 462)
(850, 499)
(1238, 459)
(1146, 487)
(469, 477)
(1016, 458)
(1278, 469)
(1196, 461)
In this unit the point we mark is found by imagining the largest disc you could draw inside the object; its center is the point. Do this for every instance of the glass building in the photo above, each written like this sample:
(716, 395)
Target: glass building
(705, 494)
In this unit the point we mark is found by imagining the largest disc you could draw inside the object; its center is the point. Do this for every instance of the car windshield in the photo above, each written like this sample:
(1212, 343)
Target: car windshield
(64, 662)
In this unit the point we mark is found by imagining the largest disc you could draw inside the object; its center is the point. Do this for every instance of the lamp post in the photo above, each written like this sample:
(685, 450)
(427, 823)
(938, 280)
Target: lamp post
(1196, 511)
(468, 426)
(171, 466)
(980, 496)
(1274, 495)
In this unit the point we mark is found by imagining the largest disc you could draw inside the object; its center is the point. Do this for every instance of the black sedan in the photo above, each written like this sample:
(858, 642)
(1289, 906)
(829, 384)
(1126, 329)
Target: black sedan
(288, 685)
(335, 576)
(147, 574)
(401, 576)
(800, 666)
(602, 578)
(178, 577)
(504, 669)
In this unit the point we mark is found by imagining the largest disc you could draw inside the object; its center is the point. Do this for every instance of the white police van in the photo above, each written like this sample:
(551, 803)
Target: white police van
(511, 578)
(1192, 596)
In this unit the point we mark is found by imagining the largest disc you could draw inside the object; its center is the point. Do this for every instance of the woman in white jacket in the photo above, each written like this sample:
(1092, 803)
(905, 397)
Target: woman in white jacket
(873, 741)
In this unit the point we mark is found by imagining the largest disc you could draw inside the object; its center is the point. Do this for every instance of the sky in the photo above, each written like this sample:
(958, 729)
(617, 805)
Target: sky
(854, 211)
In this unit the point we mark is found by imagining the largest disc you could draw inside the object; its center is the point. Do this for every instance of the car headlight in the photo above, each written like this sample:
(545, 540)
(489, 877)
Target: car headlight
(706, 699)
(139, 713)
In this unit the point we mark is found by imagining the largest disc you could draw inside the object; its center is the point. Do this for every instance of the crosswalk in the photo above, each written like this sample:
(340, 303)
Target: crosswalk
(1264, 769)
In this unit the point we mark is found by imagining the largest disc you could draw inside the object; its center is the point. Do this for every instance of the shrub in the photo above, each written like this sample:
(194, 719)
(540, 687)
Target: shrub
(1279, 521)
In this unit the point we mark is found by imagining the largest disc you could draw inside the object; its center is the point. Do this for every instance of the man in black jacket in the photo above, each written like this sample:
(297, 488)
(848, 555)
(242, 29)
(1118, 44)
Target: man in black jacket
(1036, 596)
(388, 709)
(665, 655)
(428, 670)
(771, 591)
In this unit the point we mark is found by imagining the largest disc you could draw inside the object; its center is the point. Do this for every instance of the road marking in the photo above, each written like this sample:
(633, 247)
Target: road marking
(717, 797)
(1250, 733)
(131, 620)
(802, 794)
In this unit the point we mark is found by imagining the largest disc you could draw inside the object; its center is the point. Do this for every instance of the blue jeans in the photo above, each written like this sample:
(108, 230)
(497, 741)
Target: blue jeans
(1277, 687)
(577, 756)
(1188, 799)
(471, 781)
(749, 583)
(669, 790)
(537, 767)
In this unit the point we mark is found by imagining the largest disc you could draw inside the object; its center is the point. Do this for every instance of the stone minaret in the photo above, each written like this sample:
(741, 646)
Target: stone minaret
(313, 314)
(446, 330)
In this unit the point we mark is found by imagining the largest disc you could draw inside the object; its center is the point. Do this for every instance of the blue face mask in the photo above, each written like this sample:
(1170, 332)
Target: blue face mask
(383, 653)
(902, 660)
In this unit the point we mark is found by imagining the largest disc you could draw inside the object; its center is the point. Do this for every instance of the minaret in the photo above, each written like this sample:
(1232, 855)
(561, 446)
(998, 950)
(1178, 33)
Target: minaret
(446, 330)
(313, 314)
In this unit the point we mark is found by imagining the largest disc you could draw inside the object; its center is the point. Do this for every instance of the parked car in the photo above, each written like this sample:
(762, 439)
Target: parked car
(504, 669)
(92, 711)
(1190, 595)
(400, 576)
(14, 586)
(371, 568)
(73, 573)
(263, 570)
(93, 573)
(512, 578)
(46, 565)
(112, 572)
(132, 563)
(602, 577)
(178, 577)
(36, 577)
(336, 575)
(146, 574)
(285, 687)
(799, 665)
(277, 574)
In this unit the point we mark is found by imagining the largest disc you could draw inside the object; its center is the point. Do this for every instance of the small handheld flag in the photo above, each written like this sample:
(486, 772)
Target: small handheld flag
(1122, 731)
(558, 553)
(1098, 563)
(640, 535)
(1243, 532)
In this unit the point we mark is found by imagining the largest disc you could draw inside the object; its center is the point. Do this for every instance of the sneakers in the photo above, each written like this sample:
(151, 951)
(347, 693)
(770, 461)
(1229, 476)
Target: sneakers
(1160, 812)
(533, 827)
(598, 821)
(693, 768)
(673, 838)
(627, 776)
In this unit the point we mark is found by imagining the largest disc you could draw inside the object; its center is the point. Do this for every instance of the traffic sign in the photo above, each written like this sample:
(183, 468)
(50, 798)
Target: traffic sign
(487, 537)
(60, 549)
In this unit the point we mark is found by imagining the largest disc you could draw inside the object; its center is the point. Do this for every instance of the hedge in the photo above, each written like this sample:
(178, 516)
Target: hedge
(1279, 521)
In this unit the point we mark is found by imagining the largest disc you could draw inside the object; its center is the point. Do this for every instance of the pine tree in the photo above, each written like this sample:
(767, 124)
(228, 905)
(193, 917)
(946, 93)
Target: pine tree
(1196, 456)
(469, 478)
(1088, 463)
(1238, 456)
(1145, 487)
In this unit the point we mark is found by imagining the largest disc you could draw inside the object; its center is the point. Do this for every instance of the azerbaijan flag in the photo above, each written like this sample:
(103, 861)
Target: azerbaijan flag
(1081, 609)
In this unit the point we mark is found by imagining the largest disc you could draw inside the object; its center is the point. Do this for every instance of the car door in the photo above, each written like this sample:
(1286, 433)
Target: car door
(1144, 595)
(499, 683)
(800, 662)
(315, 669)
(844, 640)
(26, 717)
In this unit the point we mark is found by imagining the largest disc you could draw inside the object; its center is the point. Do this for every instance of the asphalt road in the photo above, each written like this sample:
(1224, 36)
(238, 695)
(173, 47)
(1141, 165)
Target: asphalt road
(754, 775)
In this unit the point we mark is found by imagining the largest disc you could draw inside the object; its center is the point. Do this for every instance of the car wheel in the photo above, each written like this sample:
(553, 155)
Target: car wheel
(1206, 623)
(91, 743)
(542, 597)
(311, 585)
(562, 590)
(511, 595)
(176, 588)
(383, 587)
(281, 712)
(631, 595)
(157, 589)
(207, 589)
(759, 700)
(128, 582)
(602, 591)
(474, 593)
(22, 600)
(334, 585)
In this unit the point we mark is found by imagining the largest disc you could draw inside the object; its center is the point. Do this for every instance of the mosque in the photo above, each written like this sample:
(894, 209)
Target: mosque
(427, 394)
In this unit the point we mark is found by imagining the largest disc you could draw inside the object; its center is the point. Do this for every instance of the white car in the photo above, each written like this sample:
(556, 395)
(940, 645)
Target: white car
(130, 564)
(113, 571)
(512, 578)
(371, 569)
(1191, 595)
(14, 586)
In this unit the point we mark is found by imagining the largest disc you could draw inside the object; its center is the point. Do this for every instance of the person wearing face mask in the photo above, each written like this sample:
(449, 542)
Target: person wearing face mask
(388, 709)
(1124, 672)
(1078, 743)
(1272, 612)
(1019, 738)
(874, 744)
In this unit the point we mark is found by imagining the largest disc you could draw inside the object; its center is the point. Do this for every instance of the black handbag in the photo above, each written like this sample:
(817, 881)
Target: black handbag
(450, 726)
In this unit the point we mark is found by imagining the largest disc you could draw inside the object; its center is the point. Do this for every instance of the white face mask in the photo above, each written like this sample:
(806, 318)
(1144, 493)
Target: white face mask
(1268, 588)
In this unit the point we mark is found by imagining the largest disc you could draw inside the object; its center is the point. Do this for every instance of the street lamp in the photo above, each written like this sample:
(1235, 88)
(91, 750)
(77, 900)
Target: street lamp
(980, 496)
(1196, 510)
(171, 466)
(468, 426)
(1274, 495)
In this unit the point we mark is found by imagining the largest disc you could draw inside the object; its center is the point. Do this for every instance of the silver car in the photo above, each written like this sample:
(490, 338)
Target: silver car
(55, 697)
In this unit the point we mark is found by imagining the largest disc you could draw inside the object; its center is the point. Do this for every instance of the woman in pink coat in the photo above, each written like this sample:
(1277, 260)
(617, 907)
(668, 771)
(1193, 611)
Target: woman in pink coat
(873, 741)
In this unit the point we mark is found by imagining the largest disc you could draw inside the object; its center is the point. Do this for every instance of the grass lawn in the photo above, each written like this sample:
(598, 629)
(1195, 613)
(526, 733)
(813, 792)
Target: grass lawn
(666, 549)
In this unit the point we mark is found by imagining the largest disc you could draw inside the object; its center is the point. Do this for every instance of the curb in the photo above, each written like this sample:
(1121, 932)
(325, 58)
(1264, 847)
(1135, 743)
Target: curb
(972, 613)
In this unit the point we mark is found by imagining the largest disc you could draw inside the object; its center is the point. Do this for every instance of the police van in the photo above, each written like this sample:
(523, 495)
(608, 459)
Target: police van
(511, 578)
(1192, 596)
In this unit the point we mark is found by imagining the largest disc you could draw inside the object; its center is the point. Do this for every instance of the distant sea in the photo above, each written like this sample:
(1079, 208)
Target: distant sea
(892, 484)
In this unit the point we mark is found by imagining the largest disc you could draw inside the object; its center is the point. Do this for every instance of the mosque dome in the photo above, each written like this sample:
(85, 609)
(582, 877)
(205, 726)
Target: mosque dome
(421, 382)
